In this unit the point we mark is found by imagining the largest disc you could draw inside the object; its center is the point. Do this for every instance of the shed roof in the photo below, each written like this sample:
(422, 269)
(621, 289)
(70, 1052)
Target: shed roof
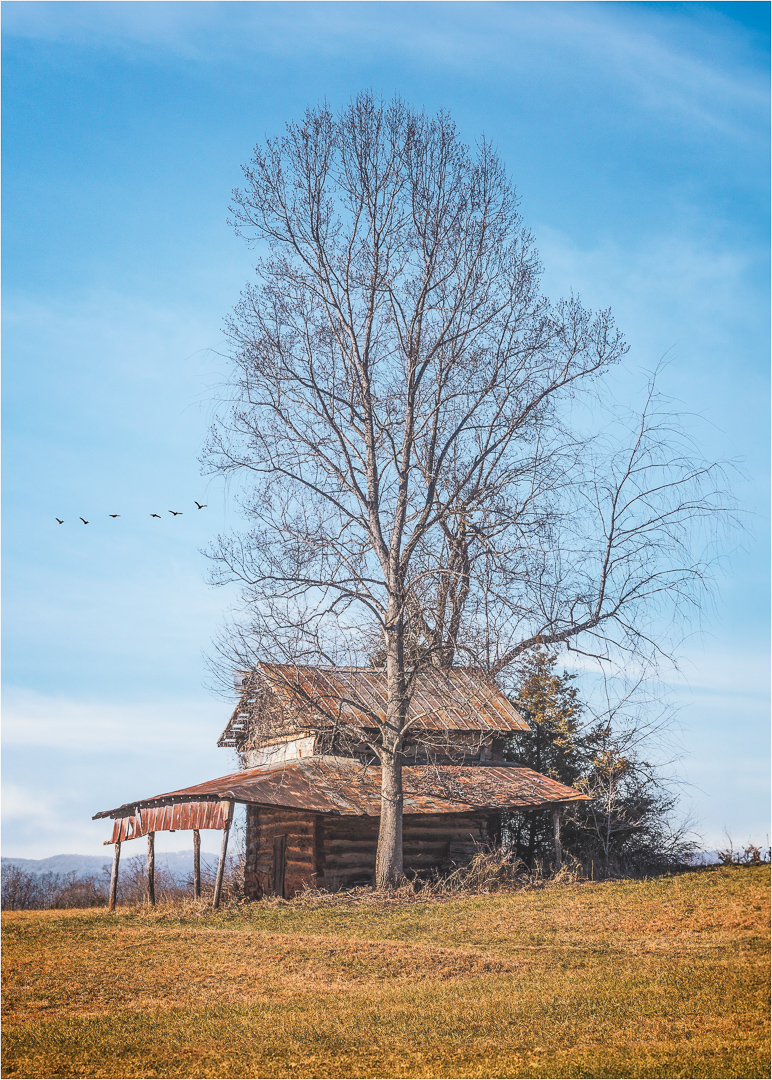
(461, 699)
(327, 785)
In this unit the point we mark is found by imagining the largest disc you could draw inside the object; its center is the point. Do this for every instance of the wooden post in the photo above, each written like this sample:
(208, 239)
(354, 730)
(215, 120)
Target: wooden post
(279, 863)
(223, 853)
(196, 864)
(556, 832)
(151, 868)
(114, 876)
(318, 851)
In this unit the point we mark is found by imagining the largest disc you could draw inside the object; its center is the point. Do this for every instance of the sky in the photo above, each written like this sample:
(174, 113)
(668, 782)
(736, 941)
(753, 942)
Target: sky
(637, 137)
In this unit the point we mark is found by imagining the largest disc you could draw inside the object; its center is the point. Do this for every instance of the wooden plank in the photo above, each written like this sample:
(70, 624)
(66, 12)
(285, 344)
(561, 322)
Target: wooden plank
(279, 863)
(441, 823)
(196, 864)
(346, 861)
(223, 853)
(114, 876)
(299, 866)
(302, 858)
(363, 850)
(319, 852)
(151, 868)
(302, 845)
(363, 843)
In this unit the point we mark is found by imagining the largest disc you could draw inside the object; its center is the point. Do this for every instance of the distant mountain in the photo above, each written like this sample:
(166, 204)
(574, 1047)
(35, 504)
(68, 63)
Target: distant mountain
(61, 864)
(179, 863)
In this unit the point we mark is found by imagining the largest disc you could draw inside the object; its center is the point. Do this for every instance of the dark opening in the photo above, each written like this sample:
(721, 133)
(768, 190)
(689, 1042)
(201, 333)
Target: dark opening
(279, 863)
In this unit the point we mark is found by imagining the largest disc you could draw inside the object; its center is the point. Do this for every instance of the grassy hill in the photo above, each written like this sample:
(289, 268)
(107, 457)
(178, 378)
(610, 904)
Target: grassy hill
(661, 978)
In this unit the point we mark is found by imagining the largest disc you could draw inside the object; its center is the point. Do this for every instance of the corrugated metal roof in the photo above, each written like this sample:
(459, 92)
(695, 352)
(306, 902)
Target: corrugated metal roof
(457, 700)
(339, 786)
(169, 818)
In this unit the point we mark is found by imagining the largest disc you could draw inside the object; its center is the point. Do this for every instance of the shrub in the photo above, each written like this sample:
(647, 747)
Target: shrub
(23, 890)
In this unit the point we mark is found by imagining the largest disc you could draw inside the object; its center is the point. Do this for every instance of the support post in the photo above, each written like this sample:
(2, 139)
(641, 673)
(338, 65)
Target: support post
(114, 876)
(279, 863)
(223, 853)
(556, 833)
(151, 868)
(196, 864)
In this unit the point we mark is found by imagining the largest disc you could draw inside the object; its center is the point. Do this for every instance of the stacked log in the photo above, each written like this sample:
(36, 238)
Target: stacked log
(264, 827)
(349, 845)
(338, 852)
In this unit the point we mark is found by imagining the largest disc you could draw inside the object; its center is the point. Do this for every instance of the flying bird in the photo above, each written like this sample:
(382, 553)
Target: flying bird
(200, 505)
(60, 520)
(113, 515)
(156, 515)
(176, 513)
(84, 521)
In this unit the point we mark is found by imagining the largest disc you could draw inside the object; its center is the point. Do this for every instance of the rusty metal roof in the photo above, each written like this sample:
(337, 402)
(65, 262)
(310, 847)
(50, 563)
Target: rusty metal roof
(461, 699)
(340, 786)
(169, 817)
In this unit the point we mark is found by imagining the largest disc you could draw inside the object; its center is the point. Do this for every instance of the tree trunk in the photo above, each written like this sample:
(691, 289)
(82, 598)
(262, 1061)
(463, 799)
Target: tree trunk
(389, 867)
(388, 862)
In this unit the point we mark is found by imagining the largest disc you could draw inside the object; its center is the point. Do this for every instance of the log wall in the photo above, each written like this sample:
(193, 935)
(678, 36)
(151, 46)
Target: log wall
(332, 852)
(266, 826)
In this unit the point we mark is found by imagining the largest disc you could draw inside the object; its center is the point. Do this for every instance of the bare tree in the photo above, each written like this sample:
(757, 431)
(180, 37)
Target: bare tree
(400, 414)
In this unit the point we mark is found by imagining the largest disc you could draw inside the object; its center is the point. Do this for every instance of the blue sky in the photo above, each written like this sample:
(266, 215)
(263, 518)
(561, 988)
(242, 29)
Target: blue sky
(637, 135)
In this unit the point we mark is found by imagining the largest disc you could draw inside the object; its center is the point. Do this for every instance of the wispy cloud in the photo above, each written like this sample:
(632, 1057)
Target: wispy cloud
(702, 80)
(67, 758)
(708, 74)
(38, 824)
(689, 296)
(33, 720)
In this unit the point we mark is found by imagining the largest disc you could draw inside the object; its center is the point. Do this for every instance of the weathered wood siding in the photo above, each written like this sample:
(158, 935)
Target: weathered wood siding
(266, 826)
(339, 852)
(429, 841)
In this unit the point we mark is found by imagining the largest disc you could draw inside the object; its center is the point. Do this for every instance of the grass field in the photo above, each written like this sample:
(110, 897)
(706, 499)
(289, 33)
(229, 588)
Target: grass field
(661, 978)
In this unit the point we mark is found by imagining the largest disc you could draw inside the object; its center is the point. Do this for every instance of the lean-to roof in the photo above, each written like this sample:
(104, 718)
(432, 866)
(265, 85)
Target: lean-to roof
(341, 786)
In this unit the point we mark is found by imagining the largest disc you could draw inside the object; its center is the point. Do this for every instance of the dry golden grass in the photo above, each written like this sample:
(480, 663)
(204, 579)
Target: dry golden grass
(663, 978)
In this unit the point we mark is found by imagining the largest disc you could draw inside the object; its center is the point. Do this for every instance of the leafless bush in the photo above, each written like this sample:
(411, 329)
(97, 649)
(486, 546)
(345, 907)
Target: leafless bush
(750, 855)
(489, 870)
(232, 882)
(23, 890)
(132, 883)
(81, 892)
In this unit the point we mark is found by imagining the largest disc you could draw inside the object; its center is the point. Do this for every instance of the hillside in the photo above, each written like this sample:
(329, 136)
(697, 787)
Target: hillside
(661, 978)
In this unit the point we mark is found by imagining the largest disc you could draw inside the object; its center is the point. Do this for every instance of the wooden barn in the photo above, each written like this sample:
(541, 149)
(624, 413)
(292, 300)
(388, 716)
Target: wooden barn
(310, 780)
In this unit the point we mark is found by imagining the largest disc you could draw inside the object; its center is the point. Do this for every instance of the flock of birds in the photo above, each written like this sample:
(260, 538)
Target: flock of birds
(174, 513)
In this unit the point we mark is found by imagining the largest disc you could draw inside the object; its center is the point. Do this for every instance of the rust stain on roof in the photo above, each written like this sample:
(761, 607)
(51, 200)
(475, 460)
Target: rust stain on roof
(461, 699)
(338, 786)
(169, 817)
